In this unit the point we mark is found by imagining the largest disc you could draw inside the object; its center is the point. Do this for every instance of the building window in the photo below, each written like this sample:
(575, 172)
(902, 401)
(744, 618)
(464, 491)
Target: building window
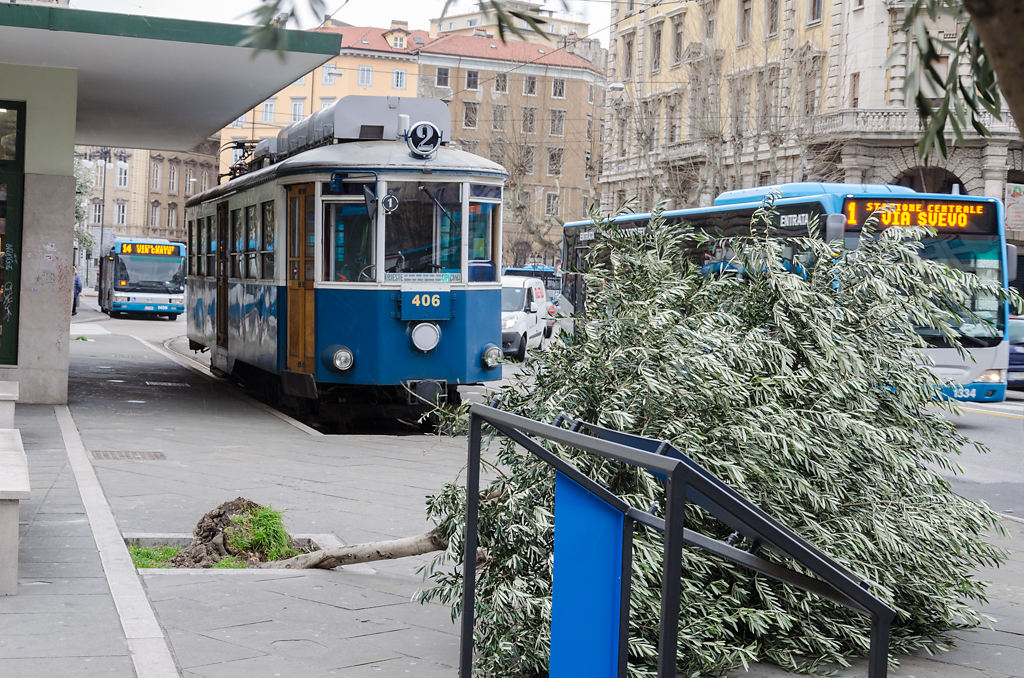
(172, 178)
(746, 12)
(710, 19)
(97, 213)
(590, 128)
(365, 76)
(771, 19)
(557, 123)
(530, 85)
(551, 204)
(472, 79)
(268, 111)
(469, 114)
(398, 41)
(329, 73)
(623, 130)
(326, 102)
(590, 94)
(501, 83)
(655, 48)
(301, 81)
(441, 77)
(529, 152)
(172, 218)
(121, 213)
(122, 174)
(498, 117)
(554, 162)
(236, 154)
(815, 8)
(854, 90)
(99, 173)
(239, 121)
(298, 109)
(529, 125)
(398, 79)
(627, 57)
(558, 88)
(678, 41)
(154, 214)
(154, 176)
(204, 182)
(190, 178)
(764, 178)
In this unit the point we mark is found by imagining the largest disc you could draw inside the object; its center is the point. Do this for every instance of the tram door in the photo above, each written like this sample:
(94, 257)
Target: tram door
(222, 274)
(301, 250)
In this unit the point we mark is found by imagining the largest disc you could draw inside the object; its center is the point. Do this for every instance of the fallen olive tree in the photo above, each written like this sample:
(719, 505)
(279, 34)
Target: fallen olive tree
(808, 393)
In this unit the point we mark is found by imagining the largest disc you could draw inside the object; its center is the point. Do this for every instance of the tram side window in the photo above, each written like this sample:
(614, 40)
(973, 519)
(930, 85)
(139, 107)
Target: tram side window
(200, 252)
(211, 245)
(267, 252)
(252, 243)
(349, 242)
(483, 229)
(191, 247)
(237, 245)
(423, 234)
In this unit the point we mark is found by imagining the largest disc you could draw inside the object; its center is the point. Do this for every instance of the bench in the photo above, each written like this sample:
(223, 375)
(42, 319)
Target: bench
(13, 488)
(8, 396)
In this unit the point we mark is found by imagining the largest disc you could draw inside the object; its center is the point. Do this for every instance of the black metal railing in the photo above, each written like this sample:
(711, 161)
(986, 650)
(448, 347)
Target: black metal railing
(685, 481)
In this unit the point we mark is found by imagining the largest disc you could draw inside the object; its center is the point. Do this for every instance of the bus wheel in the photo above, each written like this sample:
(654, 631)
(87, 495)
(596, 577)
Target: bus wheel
(521, 353)
(172, 316)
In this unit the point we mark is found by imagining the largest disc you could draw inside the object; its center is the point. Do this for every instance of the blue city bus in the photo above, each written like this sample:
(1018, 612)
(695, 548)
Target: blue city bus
(143, 276)
(550, 276)
(970, 236)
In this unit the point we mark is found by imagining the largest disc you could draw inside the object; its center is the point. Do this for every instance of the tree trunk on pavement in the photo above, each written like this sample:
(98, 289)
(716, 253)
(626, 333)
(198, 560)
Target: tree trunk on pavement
(1000, 24)
(363, 553)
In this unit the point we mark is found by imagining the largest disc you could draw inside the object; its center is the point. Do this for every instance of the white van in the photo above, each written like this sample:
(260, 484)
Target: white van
(525, 315)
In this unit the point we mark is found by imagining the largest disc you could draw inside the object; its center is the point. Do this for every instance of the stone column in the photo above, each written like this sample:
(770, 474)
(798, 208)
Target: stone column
(993, 168)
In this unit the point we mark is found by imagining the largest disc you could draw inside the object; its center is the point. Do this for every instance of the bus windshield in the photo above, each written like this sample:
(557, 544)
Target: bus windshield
(142, 273)
(982, 322)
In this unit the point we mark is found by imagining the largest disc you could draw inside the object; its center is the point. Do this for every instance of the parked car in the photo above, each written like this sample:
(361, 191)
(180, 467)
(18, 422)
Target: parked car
(527, 316)
(1015, 373)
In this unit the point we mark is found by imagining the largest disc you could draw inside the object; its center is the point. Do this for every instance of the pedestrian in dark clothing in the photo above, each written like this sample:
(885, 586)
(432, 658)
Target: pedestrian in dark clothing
(78, 290)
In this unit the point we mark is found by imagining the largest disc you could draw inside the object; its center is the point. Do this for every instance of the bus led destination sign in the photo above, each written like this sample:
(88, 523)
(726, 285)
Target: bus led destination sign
(148, 248)
(963, 216)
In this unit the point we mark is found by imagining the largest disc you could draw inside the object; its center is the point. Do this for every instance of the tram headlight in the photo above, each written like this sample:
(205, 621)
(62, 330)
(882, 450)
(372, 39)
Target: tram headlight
(343, 359)
(491, 357)
(992, 377)
(426, 336)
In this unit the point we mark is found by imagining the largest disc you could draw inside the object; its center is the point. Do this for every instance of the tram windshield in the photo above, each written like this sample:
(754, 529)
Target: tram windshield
(423, 231)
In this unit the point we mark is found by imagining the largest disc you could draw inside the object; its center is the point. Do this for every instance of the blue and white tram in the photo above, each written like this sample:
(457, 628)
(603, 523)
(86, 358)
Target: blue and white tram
(356, 264)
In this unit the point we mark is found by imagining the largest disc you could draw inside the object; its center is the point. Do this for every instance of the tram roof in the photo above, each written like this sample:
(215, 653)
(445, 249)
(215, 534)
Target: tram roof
(362, 156)
(148, 82)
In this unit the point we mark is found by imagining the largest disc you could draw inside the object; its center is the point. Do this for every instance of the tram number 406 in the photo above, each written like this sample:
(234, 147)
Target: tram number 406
(426, 300)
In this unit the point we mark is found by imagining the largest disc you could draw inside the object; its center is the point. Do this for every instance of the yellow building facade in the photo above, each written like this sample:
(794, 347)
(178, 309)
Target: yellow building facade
(372, 61)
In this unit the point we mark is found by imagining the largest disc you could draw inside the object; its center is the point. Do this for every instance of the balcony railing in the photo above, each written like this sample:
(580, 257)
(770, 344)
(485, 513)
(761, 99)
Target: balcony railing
(856, 121)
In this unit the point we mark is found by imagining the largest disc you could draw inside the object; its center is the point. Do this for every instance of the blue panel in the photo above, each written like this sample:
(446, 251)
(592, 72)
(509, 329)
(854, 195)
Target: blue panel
(585, 599)
(369, 323)
(435, 305)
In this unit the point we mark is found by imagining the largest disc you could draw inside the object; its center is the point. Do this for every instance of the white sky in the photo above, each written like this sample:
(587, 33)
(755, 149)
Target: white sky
(358, 12)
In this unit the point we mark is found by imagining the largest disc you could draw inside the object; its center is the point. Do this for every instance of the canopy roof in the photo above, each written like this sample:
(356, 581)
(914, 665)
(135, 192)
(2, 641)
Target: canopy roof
(147, 82)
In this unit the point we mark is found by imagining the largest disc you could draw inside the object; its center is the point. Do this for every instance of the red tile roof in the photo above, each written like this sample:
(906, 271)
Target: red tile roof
(478, 47)
(369, 38)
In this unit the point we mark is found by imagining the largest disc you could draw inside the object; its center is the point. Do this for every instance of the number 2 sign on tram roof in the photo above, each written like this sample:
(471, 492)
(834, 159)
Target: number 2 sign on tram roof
(423, 139)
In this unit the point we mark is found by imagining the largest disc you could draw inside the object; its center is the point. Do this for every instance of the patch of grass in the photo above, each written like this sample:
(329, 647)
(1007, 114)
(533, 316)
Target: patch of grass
(260, 532)
(152, 556)
(229, 563)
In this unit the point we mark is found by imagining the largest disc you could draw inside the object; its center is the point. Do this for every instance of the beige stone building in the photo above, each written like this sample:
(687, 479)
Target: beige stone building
(141, 194)
(718, 94)
(536, 110)
(485, 21)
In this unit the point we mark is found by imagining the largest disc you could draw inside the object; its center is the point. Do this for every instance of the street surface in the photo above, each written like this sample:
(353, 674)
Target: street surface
(996, 477)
